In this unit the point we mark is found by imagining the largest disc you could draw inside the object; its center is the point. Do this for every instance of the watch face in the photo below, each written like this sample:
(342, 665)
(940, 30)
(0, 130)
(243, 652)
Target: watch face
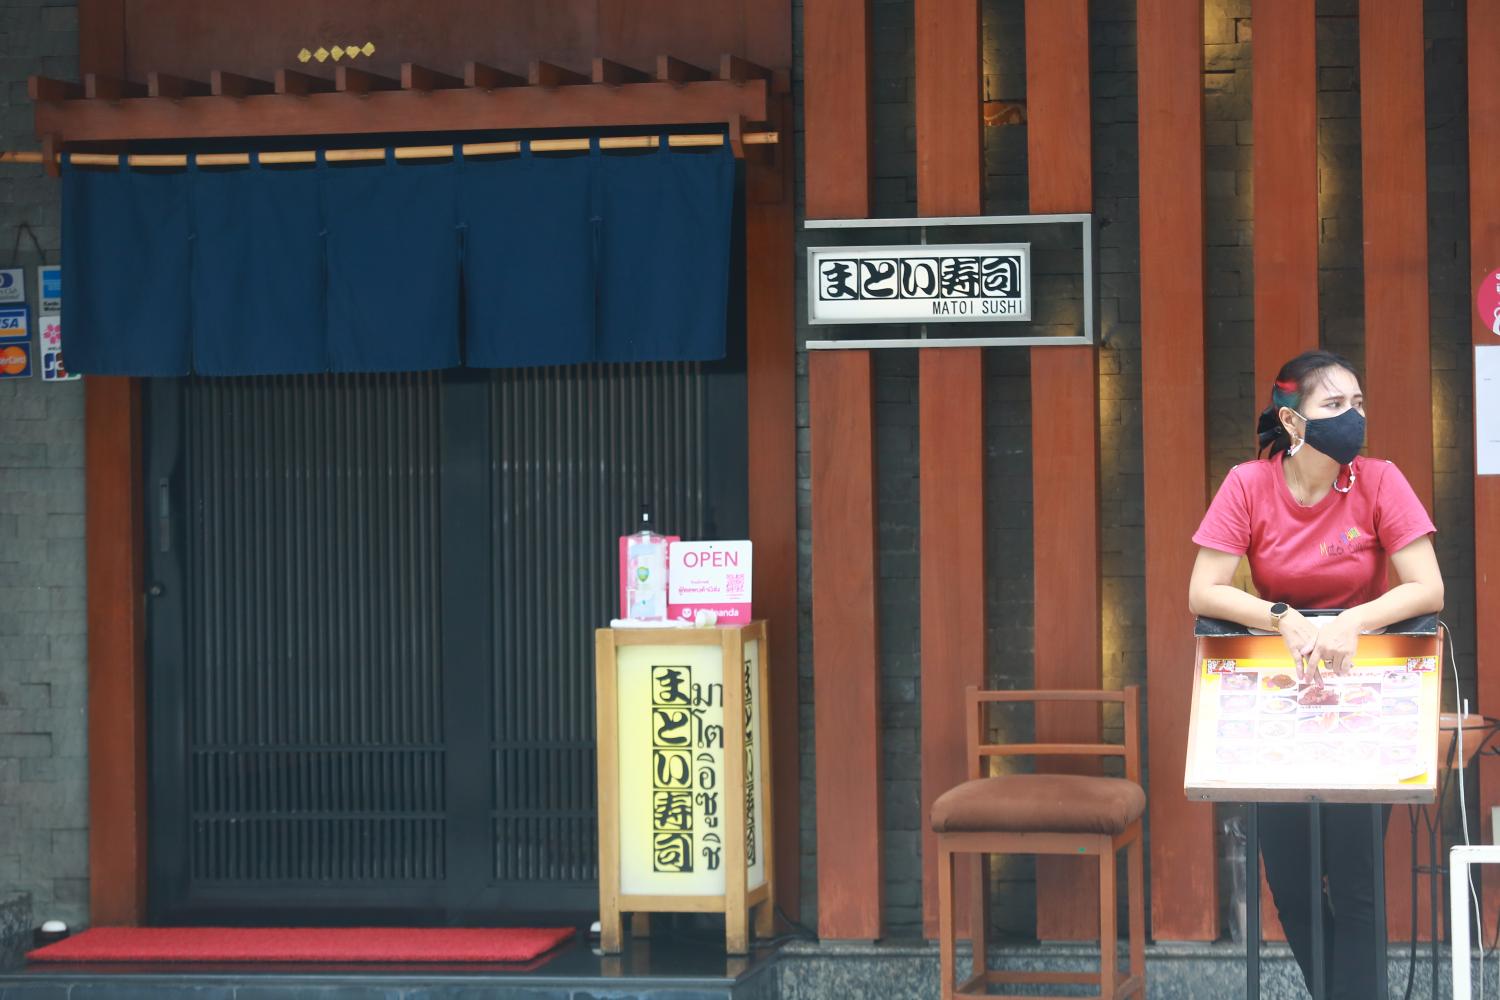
(1279, 609)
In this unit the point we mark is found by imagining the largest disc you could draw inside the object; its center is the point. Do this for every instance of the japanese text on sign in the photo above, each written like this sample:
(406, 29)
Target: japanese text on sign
(921, 284)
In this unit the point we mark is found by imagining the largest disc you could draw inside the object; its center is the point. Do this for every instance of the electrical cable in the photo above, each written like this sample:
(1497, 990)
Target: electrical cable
(15, 248)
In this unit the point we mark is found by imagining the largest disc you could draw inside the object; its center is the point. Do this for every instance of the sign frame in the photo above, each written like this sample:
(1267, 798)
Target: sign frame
(1089, 245)
(1022, 250)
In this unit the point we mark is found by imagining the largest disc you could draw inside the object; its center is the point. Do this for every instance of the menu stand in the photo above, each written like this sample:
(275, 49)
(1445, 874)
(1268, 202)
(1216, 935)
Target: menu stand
(1227, 652)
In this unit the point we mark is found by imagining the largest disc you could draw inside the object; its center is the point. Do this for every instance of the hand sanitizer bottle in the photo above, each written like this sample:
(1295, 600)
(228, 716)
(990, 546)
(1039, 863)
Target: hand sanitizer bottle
(646, 569)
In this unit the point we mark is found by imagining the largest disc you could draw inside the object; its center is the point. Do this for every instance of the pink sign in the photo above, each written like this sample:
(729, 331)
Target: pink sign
(1487, 299)
(709, 576)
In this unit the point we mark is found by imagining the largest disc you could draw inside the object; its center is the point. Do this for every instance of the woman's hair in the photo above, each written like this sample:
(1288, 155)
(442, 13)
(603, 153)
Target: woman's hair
(1293, 382)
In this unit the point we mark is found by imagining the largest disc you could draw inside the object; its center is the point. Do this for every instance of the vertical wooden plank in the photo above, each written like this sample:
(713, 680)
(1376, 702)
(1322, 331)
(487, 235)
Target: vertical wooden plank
(846, 664)
(950, 92)
(951, 483)
(1398, 370)
(607, 729)
(771, 373)
(1064, 438)
(1484, 257)
(836, 108)
(114, 531)
(950, 179)
(1169, 39)
(1284, 108)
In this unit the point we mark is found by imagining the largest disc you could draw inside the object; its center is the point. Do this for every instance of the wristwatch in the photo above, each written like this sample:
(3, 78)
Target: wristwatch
(1277, 610)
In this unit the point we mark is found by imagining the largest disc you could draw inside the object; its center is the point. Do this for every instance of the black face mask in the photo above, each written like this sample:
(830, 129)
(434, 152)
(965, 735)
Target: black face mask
(1340, 437)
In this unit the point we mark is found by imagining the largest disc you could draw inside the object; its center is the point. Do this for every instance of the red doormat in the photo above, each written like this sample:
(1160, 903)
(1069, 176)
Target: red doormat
(304, 944)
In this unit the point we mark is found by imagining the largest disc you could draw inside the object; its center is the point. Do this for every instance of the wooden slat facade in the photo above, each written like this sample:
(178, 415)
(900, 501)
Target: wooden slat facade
(846, 676)
(950, 181)
(1174, 447)
(1284, 108)
(1484, 257)
(1398, 367)
(1064, 438)
(836, 88)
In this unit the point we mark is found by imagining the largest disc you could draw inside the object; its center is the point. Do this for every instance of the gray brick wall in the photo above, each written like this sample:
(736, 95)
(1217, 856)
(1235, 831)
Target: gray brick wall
(43, 772)
(1232, 393)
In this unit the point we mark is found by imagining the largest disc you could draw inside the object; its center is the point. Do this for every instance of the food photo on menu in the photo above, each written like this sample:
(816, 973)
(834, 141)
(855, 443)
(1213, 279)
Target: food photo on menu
(1361, 726)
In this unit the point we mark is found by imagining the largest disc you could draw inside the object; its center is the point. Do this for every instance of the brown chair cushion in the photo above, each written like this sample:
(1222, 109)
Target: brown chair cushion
(1049, 803)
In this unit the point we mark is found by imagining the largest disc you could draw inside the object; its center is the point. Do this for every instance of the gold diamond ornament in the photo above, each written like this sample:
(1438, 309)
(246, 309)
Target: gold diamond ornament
(338, 53)
(304, 55)
(321, 55)
(369, 49)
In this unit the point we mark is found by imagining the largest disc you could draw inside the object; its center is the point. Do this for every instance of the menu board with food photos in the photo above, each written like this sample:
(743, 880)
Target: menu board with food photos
(1258, 734)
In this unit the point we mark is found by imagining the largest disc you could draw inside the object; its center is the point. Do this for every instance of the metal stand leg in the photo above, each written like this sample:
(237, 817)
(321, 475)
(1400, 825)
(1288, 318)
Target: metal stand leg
(1458, 921)
(1315, 865)
(1435, 872)
(1252, 904)
(1382, 971)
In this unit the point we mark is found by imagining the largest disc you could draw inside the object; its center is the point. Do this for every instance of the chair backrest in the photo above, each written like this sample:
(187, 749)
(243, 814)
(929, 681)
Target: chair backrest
(1129, 748)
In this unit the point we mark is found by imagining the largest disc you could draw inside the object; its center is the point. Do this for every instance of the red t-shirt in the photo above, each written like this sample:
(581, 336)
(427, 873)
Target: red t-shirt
(1330, 555)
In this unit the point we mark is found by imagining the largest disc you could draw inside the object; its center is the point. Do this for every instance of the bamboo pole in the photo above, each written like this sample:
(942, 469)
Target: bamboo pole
(402, 152)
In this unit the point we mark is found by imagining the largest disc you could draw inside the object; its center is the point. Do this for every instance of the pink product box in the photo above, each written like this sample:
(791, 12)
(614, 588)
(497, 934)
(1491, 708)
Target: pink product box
(709, 576)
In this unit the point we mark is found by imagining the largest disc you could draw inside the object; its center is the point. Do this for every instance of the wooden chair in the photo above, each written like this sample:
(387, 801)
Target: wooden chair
(1068, 814)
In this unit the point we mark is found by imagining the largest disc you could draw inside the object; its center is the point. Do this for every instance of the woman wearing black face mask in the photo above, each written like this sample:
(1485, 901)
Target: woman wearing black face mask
(1319, 525)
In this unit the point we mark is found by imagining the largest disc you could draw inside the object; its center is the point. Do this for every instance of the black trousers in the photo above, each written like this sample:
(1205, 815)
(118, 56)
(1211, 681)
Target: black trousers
(1349, 917)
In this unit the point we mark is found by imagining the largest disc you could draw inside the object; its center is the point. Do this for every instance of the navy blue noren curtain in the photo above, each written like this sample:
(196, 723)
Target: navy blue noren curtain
(359, 268)
(127, 239)
(258, 272)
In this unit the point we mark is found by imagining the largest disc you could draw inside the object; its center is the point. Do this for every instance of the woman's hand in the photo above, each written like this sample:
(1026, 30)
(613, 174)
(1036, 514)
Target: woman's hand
(1336, 642)
(1301, 637)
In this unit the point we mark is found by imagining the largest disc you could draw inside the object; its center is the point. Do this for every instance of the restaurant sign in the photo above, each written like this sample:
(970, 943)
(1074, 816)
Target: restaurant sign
(936, 283)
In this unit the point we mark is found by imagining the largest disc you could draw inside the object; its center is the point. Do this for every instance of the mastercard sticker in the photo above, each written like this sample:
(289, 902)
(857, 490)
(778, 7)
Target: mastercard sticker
(15, 361)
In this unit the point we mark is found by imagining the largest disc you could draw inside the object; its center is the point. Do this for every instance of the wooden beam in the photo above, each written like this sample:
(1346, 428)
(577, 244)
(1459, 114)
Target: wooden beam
(174, 87)
(98, 87)
(950, 90)
(613, 74)
(114, 534)
(43, 88)
(836, 108)
(1284, 111)
(670, 69)
(545, 74)
(478, 74)
(225, 84)
(300, 84)
(1484, 257)
(353, 80)
(1393, 131)
(738, 70)
(415, 76)
(951, 430)
(1064, 440)
(1169, 39)
(403, 111)
(846, 648)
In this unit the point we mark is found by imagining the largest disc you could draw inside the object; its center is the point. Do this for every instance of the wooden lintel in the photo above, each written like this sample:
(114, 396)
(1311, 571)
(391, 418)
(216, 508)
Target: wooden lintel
(478, 74)
(97, 87)
(670, 69)
(611, 73)
(737, 70)
(545, 74)
(353, 80)
(225, 84)
(465, 108)
(44, 88)
(417, 77)
(296, 82)
(174, 87)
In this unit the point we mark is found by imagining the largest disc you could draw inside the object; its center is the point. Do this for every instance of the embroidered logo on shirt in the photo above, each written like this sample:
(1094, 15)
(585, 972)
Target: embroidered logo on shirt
(1346, 543)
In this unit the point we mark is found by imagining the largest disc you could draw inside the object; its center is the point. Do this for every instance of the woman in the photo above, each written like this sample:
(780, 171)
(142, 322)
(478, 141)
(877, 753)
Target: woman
(1319, 525)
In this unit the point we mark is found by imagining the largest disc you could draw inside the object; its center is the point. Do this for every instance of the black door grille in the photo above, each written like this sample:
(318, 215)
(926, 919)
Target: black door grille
(371, 635)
